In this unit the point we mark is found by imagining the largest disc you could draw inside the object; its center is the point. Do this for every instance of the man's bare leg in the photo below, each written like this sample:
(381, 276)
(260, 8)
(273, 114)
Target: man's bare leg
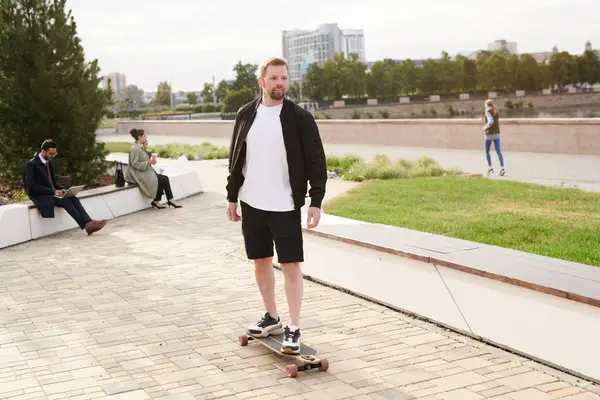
(265, 279)
(294, 288)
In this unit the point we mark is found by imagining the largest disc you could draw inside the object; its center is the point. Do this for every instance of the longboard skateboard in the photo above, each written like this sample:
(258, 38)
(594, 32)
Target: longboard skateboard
(307, 357)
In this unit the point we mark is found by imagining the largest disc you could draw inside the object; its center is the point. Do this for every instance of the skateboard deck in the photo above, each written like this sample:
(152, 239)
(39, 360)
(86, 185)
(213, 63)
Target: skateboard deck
(307, 356)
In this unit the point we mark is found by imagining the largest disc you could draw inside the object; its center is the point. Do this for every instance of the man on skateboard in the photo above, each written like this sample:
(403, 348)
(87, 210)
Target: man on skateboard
(275, 150)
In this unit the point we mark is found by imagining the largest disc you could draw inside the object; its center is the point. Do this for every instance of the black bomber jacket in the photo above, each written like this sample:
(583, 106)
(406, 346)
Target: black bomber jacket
(305, 154)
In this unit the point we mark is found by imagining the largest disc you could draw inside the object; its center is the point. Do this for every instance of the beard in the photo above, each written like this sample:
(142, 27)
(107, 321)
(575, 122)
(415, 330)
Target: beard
(277, 94)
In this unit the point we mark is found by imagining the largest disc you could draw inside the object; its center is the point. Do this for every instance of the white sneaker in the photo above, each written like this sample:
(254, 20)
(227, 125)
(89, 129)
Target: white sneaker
(291, 341)
(266, 326)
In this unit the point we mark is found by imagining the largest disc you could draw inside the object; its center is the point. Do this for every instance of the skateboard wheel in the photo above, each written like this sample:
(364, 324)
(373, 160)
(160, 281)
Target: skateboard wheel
(324, 365)
(243, 340)
(291, 370)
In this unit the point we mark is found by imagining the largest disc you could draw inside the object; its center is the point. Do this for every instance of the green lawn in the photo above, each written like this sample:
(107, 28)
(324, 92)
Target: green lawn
(555, 222)
(118, 147)
(205, 151)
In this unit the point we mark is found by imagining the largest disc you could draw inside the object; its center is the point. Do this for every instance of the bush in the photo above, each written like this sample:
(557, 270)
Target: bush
(344, 163)
(204, 151)
(385, 114)
(509, 104)
(356, 115)
(381, 167)
(211, 108)
(237, 98)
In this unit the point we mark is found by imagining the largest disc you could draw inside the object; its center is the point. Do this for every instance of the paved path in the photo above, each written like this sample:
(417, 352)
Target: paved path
(559, 170)
(151, 307)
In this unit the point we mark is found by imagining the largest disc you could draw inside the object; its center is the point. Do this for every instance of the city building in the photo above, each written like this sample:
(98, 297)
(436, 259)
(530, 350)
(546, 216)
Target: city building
(118, 82)
(589, 47)
(301, 48)
(503, 45)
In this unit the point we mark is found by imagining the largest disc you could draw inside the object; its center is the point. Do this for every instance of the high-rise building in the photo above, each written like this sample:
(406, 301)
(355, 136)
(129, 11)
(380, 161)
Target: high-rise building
(118, 82)
(503, 45)
(301, 48)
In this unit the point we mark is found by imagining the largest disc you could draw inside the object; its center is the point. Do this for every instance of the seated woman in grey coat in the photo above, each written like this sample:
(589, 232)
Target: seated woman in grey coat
(140, 171)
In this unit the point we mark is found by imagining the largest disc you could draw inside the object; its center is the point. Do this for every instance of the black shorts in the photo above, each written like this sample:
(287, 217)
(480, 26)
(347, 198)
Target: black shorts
(262, 228)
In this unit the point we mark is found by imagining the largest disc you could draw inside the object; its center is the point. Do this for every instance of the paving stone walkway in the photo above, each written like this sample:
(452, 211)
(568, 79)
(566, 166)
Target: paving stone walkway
(151, 307)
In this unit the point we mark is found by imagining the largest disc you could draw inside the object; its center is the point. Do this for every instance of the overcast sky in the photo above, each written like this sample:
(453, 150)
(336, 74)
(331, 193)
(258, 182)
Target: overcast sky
(187, 41)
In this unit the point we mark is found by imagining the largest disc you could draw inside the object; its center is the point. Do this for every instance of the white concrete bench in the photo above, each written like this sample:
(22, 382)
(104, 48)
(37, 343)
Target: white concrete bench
(22, 222)
(14, 224)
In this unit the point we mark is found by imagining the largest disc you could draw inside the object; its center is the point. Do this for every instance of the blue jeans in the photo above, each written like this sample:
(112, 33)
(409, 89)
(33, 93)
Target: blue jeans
(488, 144)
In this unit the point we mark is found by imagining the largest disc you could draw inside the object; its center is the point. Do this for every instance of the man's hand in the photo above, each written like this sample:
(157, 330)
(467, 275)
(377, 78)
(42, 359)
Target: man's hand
(232, 213)
(59, 192)
(313, 217)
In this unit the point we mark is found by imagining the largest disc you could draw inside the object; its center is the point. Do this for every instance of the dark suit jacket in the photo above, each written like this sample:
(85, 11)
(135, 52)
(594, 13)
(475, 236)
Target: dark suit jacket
(37, 185)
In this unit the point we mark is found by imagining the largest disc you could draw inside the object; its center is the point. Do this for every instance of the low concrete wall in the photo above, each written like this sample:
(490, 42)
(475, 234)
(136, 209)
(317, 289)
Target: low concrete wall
(471, 107)
(558, 136)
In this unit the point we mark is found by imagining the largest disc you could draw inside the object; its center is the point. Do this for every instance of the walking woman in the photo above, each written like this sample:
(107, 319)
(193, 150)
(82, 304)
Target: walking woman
(492, 134)
(140, 171)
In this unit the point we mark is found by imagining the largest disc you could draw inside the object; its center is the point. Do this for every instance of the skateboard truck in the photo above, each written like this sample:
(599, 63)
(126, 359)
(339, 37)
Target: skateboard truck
(308, 361)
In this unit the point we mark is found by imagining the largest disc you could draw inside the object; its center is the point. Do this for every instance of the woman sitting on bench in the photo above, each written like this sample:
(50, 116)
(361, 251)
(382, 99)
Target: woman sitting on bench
(140, 171)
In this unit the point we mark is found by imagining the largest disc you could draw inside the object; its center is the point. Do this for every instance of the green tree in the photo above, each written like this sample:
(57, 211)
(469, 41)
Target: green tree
(430, 79)
(335, 72)
(192, 98)
(515, 81)
(294, 91)
(207, 93)
(384, 79)
(450, 74)
(237, 98)
(339, 73)
(357, 75)
(48, 90)
(530, 73)
(563, 68)
(163, 94)
(410, 76)
(493, 71)
(376, 82)
(468, 74)
(545, 75)
(315, 84)
(245, 76)
(588, 68)
(133, 93)
(222, 90)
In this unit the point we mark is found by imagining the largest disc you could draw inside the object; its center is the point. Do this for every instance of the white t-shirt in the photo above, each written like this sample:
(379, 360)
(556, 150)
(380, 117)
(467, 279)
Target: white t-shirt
(266, 177)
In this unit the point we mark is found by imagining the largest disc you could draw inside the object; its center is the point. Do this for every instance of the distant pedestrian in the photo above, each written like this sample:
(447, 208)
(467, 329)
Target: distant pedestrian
(492, 134)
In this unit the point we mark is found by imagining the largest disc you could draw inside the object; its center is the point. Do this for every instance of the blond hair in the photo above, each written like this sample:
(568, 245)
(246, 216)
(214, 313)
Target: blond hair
(490, 103)
(274, 61)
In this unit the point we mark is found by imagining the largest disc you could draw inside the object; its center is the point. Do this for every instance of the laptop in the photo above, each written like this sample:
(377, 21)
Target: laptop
(73, 191)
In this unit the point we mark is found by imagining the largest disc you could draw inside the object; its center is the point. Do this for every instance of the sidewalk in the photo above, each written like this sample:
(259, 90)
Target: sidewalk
(152, 305)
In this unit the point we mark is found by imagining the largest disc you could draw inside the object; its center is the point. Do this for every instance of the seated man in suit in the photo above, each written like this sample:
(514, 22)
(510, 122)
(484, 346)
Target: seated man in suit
(41, 186)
